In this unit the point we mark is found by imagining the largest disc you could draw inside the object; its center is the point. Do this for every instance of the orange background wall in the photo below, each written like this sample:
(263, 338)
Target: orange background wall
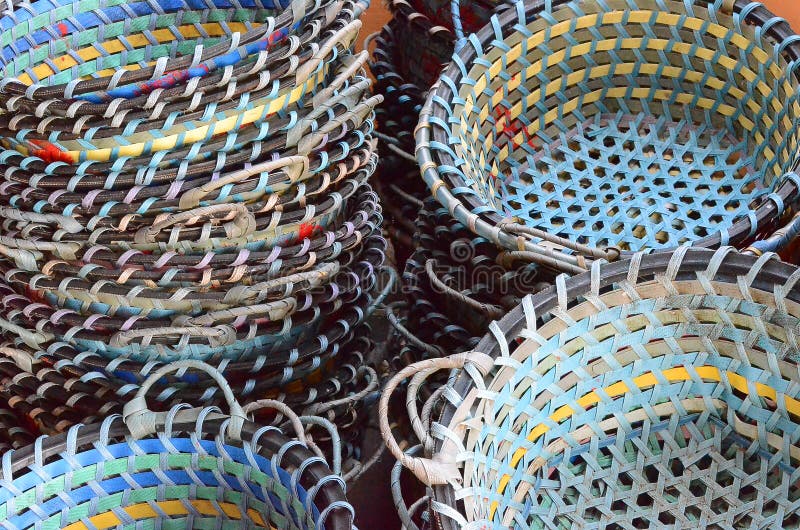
(377, 14)
(788, 9)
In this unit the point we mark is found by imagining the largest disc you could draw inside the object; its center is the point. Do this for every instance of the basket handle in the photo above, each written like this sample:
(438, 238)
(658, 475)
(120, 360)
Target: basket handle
(405, 512)
(394, 320)
(492, 311)
(282, 408)
(142, 421)
(778, 240)
(791, 230)
(368, 373)
(68, 224)
(294, 167)
(243, 224)
(217, 336)
(435, 470)
(358, 114)
(458, 28)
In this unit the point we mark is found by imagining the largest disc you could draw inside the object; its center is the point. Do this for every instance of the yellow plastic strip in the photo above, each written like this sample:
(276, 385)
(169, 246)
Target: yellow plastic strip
(146, 511)
(708, 373)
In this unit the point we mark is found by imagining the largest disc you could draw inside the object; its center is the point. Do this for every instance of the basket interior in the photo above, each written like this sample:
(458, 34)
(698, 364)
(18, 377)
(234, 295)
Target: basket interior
(678, 404)
(640, 128)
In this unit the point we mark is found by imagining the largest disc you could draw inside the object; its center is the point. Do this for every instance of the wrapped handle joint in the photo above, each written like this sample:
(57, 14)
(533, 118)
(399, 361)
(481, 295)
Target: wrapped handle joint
(438, 469)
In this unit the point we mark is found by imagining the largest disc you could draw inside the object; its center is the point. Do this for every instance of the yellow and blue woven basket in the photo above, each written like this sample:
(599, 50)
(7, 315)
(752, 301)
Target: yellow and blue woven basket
(569, 131)
(650, 393)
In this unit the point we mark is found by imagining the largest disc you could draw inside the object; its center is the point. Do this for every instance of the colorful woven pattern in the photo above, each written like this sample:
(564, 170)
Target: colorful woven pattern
(636, 125)
(185, 180)
(650, 393)
(195, 471)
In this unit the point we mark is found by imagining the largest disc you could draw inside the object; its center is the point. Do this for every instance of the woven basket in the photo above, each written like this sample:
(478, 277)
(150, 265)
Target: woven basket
(426, 49)
(172, 325)
(174, 215)
(191, 468)
(576, 130)
(660, 391)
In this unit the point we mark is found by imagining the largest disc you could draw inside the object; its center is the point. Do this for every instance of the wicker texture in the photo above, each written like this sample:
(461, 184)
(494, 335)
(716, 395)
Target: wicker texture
(191, 468)
(657, 392)
(397, 176)
(184, 180)
(455, 284)
(641, 125)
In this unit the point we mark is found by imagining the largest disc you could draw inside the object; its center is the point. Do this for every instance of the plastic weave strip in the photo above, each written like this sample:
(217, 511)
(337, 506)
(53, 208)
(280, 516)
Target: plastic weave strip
(172, 479)
(640, 125)
(657, 391)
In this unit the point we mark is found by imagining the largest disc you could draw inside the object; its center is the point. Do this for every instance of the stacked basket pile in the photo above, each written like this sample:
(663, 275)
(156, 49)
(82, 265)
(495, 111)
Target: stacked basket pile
(185, 180)
(407, 56)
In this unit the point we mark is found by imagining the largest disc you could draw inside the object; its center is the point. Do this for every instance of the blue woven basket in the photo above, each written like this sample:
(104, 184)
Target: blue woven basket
(569, 131)
(187, 468)
(657, 392)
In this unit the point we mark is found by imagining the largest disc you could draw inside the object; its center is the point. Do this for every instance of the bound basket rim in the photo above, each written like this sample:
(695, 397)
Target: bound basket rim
(488, 222)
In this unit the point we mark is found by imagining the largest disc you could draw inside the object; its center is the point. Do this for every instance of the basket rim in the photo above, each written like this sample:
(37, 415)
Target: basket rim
(488, 223)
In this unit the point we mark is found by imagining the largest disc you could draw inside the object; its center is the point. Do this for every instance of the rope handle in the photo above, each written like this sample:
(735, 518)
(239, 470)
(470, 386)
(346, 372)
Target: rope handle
(294, 167)
(358, 114)
(458, 28)
(404, 511)
(217, 336)
(782, 237)
(68, 224)
(492, 311)
(353, 63)
(275, 310)
(437, 469)
(368, 373)
(776, 242)
(394, 321)
(142, 421)
(242, 225)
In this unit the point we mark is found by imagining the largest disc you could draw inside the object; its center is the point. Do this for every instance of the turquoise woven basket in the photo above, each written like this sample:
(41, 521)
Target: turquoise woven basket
(569, 131)
(657, 392)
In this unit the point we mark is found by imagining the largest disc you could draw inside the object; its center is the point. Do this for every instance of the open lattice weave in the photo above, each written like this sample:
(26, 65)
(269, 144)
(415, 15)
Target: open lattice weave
(651, 393)
(640, 124)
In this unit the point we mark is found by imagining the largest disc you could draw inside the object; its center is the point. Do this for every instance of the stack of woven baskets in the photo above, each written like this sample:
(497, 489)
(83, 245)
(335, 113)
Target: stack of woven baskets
(407, 57)
(185, 180)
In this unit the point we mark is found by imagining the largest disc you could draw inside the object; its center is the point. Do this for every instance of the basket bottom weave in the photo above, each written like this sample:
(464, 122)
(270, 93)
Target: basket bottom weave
(682, 473)
(632, 181)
